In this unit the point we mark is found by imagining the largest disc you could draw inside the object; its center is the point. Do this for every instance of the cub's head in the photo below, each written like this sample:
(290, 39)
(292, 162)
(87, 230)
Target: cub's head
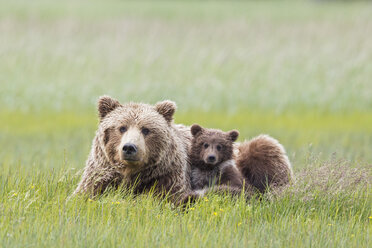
(210, 146)
(134, 135)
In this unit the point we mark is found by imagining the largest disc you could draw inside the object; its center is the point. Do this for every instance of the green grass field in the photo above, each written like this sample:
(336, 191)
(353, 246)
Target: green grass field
(300, 71)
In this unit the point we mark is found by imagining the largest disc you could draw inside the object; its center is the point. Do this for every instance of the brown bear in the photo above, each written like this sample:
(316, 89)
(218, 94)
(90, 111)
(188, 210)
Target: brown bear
(212, 158)
(139, 146)
(263, 163)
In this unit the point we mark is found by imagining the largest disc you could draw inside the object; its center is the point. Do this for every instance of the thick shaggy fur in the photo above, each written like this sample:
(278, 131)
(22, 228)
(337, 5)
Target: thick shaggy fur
(222, 170)
(160, 162)
(264, 163)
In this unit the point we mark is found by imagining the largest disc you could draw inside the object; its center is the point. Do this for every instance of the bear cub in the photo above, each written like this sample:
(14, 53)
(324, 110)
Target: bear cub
(212, 158)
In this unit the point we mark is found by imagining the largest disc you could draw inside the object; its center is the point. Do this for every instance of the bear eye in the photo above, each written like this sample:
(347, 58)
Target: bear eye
(122, 129)
(206, 145)
(219, 147)
(145, 131)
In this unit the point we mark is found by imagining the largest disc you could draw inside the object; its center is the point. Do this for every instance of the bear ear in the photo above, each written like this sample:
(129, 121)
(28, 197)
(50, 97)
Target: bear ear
(196, 129)
(233, 135)
(166, 109)
(106, 104)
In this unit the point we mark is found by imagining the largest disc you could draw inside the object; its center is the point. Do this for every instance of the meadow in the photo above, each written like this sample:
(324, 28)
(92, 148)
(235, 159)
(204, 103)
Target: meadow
(298, 70)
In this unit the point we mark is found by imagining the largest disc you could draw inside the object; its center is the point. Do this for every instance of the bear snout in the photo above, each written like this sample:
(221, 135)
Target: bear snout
(130, 151)
(211, 159)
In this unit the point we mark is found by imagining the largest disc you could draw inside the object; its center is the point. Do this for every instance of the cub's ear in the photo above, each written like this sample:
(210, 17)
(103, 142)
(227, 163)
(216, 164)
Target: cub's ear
(106, 104)
(166, 109)
(196, 129)
(233, 135)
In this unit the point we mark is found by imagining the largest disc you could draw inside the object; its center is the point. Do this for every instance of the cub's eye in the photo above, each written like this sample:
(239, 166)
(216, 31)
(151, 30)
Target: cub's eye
(145, 131)
(219, 147)
(122, 129)
(206, 145)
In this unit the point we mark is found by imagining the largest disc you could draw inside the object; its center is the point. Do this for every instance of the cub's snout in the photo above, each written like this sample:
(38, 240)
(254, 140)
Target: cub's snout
(211, 159)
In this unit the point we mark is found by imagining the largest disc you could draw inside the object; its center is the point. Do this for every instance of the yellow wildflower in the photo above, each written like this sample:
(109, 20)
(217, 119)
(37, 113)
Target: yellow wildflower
(15, 194)
(215, 213)
(221, 209)
(239, 224)
(370, 217)
(90, 200)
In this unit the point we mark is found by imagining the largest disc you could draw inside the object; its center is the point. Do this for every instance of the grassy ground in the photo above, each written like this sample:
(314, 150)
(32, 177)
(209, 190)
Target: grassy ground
(300, 71)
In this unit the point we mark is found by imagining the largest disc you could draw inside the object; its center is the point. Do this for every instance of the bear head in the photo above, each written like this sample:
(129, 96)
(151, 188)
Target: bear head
(210, 147)
(134, 135)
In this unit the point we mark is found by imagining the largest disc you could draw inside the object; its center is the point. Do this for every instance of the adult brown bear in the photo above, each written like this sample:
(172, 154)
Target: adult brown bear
(138, 145)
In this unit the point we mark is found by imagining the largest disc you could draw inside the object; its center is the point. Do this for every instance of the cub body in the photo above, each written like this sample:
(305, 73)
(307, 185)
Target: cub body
(264, 163)
(212, 158)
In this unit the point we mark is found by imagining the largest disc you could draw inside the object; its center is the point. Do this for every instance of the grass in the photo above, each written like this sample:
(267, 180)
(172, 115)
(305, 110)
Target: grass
(300, 73)
(35, 213)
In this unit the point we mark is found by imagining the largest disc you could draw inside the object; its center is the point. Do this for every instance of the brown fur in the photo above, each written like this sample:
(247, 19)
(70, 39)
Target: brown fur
(160, 161)
(264, 163)
(218, 145)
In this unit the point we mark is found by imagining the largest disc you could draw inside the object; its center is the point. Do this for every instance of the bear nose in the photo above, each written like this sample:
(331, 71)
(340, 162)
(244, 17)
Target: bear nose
(211, 158)
(130, 149)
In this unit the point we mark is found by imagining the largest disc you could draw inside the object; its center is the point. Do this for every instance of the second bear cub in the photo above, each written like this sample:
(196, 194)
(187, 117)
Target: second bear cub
(212, 160)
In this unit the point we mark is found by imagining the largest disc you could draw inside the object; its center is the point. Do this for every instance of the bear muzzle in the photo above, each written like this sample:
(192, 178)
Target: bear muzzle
(132, 148)
(211, 159)
(129, 152)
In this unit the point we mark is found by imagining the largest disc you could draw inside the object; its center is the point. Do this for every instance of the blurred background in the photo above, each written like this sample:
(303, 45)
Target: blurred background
(300, 71)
